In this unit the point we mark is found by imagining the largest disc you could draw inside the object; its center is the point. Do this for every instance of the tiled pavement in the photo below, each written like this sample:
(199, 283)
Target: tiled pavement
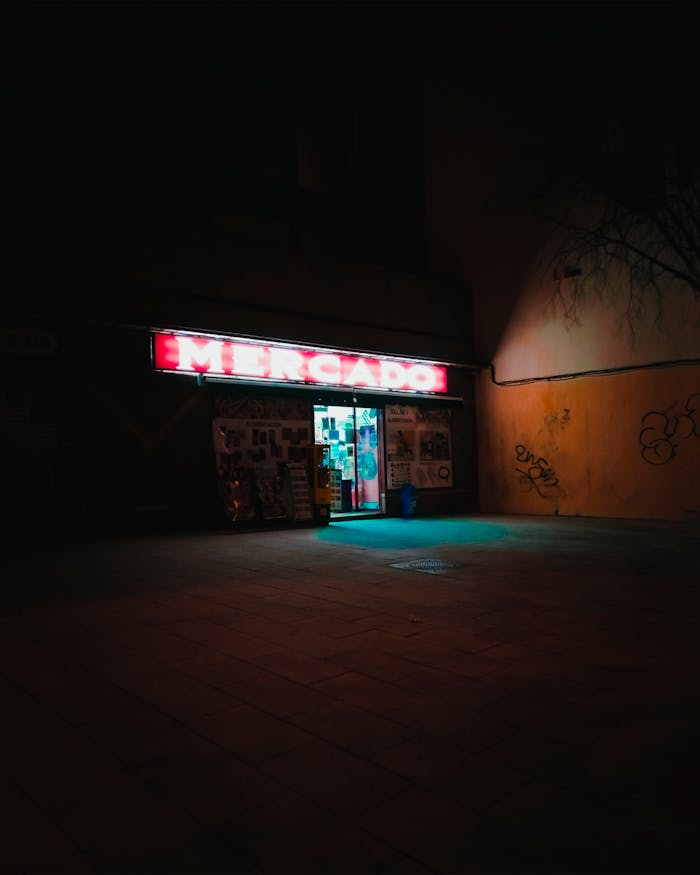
(287, 701)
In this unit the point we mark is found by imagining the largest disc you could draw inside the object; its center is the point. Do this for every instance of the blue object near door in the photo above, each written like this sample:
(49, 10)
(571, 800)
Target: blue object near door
(408, 500)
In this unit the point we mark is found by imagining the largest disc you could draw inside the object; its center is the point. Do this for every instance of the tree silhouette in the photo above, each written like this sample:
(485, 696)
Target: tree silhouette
(623, 191)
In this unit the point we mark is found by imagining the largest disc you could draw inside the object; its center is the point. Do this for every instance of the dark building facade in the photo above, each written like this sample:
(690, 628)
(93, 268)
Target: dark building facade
(248, 173)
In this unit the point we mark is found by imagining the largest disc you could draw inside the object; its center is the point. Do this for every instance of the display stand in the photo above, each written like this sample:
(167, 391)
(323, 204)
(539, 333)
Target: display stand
(301, 495)
(270, 492)
(336, 491)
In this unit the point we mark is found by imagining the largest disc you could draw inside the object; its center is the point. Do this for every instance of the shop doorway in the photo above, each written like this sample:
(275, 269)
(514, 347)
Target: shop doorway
(353, 438)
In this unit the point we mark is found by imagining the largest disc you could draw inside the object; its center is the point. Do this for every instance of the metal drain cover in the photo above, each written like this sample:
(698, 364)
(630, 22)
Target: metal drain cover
(429, 566)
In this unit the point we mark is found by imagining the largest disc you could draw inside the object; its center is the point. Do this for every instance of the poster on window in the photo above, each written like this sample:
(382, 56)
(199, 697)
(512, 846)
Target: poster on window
(259, 441)
(418, 447)
(260, 446)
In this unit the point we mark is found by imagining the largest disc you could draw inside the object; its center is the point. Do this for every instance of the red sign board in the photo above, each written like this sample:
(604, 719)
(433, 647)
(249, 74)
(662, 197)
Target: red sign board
(238, 359)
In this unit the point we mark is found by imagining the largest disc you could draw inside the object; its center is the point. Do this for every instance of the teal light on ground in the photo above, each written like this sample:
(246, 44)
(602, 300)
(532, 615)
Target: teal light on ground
(392, 534)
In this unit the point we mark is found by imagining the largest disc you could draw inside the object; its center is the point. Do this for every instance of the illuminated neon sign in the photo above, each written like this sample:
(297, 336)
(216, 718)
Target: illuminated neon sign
(244, 360)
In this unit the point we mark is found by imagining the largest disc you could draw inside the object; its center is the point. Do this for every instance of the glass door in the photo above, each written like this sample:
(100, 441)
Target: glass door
(367, 457)
(353, 435)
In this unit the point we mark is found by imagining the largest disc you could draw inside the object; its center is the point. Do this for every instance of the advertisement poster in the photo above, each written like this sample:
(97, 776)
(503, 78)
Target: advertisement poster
(258, 441)
(418, 447)
(260, 446)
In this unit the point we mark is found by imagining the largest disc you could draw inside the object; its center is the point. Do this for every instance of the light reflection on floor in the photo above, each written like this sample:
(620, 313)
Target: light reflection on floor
(397, 533)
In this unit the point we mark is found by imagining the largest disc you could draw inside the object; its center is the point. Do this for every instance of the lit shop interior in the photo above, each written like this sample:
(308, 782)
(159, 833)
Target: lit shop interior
(351, 438)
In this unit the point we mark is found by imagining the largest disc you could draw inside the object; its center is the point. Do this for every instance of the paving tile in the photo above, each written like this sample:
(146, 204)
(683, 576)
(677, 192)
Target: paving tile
(350, 728)
(474, 665)
(89, 650)
(467, 638)
(202, 630)
(557, 831)
(263, 628)
(342, 611)
(250, 734)
(79, 703)
(463, 727)
(465, 777)
(69, 746)
(292, 835)
(217, 669)
(140, 736)
(134, 672)
(57, 785)
(299, 667)
(28, 719)
(36, 668)
(441, 835)
(284, 597)
(376, 664)
(181, 601)
(197, 609)
(544, 686)
(144, 610)
(56, 633)
(377, 640)
(170, 649)
(210, 784)
(452, 688)
(31, 841)
(118, 835)
(186, 699)
(634, 736)
(282, 613)
(311, 643)
(240, 646)
(329, 626)
(406, 626)
(656, 788)
(316, 771)
(276, 695)
(569, 722)
(365, 692)
(545, 759)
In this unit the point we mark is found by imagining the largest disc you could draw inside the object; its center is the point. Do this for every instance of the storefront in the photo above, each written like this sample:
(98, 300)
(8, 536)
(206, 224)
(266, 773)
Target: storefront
(308, 433)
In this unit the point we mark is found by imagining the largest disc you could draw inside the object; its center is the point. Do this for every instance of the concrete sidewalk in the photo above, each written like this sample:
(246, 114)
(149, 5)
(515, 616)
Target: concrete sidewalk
(526, 699)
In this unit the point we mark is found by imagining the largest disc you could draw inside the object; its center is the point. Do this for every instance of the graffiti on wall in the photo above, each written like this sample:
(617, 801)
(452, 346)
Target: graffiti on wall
(662, 432)
(536, 473)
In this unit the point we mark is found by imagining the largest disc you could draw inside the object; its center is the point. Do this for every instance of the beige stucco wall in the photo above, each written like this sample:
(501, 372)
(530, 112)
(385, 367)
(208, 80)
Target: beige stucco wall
(621, 443)
(624, 445)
